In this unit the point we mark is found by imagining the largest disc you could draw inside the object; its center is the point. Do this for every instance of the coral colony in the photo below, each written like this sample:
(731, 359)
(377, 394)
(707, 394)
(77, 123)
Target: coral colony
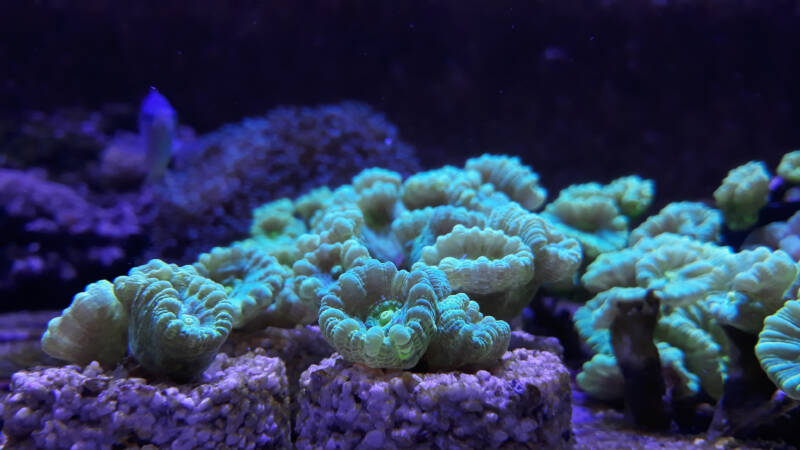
(384, 313)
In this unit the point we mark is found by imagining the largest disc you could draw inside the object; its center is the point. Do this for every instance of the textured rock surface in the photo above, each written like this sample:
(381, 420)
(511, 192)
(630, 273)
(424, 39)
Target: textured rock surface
(521, 339)
(522, 403)
(298, 347)
(240, 402)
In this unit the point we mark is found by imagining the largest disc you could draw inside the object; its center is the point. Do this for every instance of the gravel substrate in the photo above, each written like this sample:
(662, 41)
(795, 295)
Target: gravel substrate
(524, 402)
(240, 402)
(298, 347)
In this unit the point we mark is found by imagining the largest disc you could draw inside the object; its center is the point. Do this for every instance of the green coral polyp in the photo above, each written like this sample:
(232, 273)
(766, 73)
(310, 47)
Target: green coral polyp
(382, 317)
(178, 319)
(382, 313)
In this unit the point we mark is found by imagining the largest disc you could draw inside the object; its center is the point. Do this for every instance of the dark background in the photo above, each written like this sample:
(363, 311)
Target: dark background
(581, 90)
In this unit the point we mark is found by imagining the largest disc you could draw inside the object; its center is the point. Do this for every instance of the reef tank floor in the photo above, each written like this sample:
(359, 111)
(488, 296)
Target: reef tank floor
(403, 224)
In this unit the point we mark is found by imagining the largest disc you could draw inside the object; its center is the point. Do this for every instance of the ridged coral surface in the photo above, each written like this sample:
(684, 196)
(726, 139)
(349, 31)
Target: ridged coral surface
(178, 319)
(380, 316)
(93, 328)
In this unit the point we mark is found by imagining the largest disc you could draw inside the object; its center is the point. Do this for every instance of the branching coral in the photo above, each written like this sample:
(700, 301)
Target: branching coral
(315, 200)
(274, 230)
(701, 286)
(761, 280)
(378, 197)
(597, 215)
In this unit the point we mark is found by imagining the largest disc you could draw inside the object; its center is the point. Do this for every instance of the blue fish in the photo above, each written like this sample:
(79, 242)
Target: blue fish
(158, 123)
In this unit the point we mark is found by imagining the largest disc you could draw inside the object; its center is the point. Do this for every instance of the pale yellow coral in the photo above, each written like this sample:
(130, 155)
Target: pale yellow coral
(308, 204)
(632, 194)
(556, 256)
(276, 219)
(789, 167)
(742, 195)
(438, 187)
(419, 228)
(378, 196)
(589, 214)
(93, 328)
(760, 281)
(692, 219)
(338, 223)
(465, 337)
(485, 261)
(275, 229)
(509, 175)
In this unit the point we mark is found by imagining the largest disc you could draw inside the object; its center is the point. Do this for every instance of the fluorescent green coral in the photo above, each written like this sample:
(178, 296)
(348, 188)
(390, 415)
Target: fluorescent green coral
(683, 273)
(681, 270)
(322, 265)
(761, 280)
(465, 337)
(309, 204)
(613, 269)
(510, 176)
(275, 229)
(742, 195)
(493, 268)
(438, 187)
(591, 215)
(178, 319)
(256, 285)
(692, 219)
(378, 193)
(700, 285)
(338, 222)
(701, 341)
(632, 193)
(556, 256)
(689, 343)
(601, 378)
(93, 328)
(789, 167)
(419, 228)
(382, 317)
(778, 348)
